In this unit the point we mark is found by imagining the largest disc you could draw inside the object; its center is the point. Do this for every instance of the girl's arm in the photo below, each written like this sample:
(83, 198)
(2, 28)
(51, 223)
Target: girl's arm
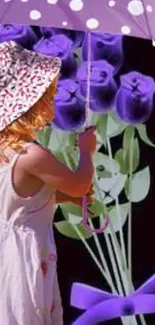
(62, 198)
(44, 165)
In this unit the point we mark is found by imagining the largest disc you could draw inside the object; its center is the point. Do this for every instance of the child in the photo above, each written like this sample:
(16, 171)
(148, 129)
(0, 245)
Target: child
(32, 180)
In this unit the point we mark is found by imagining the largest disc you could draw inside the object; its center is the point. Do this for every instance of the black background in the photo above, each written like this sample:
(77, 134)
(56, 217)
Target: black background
(74, 263)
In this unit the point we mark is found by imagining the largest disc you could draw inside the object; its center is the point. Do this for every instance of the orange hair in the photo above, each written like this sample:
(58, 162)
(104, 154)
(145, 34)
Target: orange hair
(24, 129)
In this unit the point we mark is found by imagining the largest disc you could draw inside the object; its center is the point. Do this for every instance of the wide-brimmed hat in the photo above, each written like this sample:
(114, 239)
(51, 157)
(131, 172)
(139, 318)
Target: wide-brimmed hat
(24, 78)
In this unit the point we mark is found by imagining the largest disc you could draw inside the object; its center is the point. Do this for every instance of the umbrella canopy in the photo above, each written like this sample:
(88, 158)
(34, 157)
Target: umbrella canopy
(129, 17)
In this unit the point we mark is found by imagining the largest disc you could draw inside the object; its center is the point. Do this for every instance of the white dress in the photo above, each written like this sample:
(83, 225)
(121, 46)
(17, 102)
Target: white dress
(29, 291)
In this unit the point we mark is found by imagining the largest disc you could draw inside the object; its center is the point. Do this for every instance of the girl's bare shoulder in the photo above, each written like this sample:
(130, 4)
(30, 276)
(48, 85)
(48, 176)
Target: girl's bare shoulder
(34, 151)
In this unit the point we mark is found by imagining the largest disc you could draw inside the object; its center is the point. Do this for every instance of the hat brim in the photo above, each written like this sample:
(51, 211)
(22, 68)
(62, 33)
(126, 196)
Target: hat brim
(32, 75)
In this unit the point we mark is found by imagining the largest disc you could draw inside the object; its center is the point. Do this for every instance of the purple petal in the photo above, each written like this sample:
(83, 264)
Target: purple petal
(107, 47)
(70, 107)
(103, 87)
(24, 35)
(60, 46)
(134, 101)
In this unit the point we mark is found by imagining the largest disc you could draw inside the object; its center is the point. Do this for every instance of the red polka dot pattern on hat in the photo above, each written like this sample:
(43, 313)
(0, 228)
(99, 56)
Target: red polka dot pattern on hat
(24, 78)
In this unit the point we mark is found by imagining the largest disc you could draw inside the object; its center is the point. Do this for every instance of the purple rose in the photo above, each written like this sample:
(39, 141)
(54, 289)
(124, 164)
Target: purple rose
(24, 35)
(103, 87)
(70, 107)
(134, 100)
(60, 46)
(107, 47)
(75, 36)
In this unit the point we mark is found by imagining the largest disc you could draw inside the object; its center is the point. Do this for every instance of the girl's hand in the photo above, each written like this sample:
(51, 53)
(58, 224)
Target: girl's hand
(90, 200)
(87, 140)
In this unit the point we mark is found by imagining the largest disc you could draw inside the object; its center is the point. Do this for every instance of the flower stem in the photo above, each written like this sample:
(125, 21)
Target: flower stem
(126, 278)
(128, 271)
(118, 259)
(92, 254)
(104, 262)
(130, 209)
(114, 266)
(117, 204)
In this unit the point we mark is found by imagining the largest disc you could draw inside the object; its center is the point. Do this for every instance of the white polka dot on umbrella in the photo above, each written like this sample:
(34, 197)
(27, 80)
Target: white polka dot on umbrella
(35, 14)
(149, 8)
(92, 23)
(111, 3)
(64, 23)
(76, 5)
(136, 8)
(126, 30)
(52, 2)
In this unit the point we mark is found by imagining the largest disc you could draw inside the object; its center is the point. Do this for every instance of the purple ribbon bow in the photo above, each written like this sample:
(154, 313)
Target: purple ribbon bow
(101, 306)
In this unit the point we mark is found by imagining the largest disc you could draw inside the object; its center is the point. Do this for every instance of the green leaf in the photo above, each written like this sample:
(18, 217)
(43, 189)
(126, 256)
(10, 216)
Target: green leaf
(143, 134)
(70, 158)
(127, 137)
(72, 139)
(73, 165)
(97, 208)
(74, 219)
(47, 134)
(71, 208)
(108, 199)
(109, 164)
(102, 127)
(114, 185)
(135, 155)
(60, 157)
(43, 136)
(109, 126)
(123, 209)
(40, 137)
(102, 173)
(94, 118)
(140, 185)
(118, 186)
(106, 184)
(58, 140)
(66, 229)
(114, 127)
(77, 51)
(74, 211)
(122, 156)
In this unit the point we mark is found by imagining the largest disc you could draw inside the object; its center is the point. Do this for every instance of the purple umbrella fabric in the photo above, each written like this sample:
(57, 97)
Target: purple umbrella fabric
(129, 17)
(101, 306)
